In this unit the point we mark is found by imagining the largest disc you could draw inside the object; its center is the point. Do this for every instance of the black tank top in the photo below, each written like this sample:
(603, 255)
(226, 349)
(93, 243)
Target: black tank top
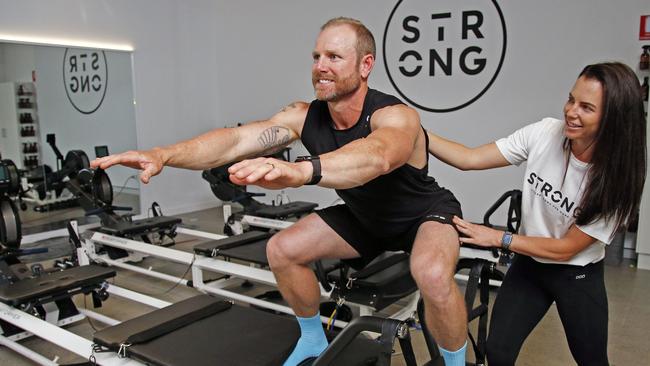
(397, 199)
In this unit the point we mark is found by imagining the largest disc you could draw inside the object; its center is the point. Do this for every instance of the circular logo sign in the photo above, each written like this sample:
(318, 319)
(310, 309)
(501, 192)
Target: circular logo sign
(443, 55)
(85, 77)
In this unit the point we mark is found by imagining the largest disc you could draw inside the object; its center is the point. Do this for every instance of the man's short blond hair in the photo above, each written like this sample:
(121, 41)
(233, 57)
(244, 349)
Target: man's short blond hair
(365, 39)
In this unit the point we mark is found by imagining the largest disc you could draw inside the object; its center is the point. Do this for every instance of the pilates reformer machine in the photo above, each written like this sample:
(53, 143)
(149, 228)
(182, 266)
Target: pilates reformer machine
(34, 292)
(195, 331)
(237, 258)
(352, 285)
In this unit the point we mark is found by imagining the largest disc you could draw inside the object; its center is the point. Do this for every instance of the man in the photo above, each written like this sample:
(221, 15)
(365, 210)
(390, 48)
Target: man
(368, 146)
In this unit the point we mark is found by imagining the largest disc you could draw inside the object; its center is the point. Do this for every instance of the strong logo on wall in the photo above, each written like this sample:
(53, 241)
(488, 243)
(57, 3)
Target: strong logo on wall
(85, 76)
(443, 55)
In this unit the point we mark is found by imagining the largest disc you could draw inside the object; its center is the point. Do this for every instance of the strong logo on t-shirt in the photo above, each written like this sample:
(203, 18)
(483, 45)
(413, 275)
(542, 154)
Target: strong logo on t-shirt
(551, 196)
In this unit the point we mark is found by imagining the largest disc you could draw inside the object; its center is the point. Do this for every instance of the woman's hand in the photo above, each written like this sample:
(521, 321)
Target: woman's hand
(478, 234)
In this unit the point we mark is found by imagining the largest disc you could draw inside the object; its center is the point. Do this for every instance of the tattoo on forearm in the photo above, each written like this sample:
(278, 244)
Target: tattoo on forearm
(273, 138)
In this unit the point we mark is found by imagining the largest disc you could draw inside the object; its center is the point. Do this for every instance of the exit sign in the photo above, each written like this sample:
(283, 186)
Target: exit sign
(644, 28)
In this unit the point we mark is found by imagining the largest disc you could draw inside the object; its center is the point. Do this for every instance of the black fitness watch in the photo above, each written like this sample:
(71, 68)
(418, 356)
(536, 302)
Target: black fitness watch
(506, 240)
(315, 163)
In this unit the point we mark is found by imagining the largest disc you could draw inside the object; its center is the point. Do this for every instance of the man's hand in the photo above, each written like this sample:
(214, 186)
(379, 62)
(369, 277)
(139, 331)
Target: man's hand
(149, 162)
(270, 173)
(478, 234)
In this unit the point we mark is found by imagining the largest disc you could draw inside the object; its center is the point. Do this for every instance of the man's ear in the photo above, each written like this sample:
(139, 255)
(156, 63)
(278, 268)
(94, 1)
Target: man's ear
(366, 65)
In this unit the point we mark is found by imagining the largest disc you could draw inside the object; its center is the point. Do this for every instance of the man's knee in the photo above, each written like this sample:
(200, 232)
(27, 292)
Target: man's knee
(435, 280)
(282, 251)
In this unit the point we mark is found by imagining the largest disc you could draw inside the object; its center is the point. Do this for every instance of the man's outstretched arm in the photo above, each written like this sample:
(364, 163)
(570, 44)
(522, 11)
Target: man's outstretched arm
(216, 147)
(389, 146)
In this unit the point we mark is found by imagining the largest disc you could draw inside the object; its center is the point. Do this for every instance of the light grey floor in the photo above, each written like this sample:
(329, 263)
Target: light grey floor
(629, 301)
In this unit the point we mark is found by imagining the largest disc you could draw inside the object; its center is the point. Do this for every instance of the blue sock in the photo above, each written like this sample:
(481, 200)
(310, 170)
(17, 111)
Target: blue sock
(456, 358)
(312, 341)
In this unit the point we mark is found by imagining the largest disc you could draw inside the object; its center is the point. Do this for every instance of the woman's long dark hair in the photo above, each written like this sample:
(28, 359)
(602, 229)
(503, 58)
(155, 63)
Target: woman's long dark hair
(618, 170)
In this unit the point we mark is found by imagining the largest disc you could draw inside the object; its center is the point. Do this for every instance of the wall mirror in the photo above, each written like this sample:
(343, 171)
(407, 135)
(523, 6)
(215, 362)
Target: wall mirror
(81, 96)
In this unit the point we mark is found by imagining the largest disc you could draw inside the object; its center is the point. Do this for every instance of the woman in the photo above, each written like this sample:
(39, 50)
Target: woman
(584, 178)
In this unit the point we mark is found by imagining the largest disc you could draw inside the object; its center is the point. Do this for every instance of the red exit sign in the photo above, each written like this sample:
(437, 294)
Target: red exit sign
(644, 28)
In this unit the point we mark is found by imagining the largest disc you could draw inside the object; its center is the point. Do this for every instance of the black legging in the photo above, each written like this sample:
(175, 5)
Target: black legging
(527, 292)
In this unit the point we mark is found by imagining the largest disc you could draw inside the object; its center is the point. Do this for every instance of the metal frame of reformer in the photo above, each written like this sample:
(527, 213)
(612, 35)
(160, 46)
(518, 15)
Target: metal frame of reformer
(33, 238)
(236, 273)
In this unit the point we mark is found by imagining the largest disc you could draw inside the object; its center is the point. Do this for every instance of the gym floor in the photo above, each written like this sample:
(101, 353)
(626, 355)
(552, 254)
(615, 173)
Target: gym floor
(627, 290)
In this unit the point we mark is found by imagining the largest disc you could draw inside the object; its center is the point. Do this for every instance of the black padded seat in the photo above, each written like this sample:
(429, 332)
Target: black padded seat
(382, 282)
(137, 227)
(285, 210)
(55, 284)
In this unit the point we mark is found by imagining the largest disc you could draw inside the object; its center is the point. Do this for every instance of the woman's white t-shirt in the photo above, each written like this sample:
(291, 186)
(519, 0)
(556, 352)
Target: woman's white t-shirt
(549, 198)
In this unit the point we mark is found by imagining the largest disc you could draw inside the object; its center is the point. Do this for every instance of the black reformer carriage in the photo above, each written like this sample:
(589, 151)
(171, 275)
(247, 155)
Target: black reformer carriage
(46, 294)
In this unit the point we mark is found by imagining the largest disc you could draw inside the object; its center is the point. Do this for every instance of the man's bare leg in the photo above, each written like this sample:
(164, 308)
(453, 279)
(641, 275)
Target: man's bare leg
(289, 253)
(433, 264)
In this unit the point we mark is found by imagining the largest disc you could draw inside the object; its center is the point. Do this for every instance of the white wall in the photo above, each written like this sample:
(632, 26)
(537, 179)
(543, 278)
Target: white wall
(2, 62)
(200, 64)
(268, 63)
(17, 62)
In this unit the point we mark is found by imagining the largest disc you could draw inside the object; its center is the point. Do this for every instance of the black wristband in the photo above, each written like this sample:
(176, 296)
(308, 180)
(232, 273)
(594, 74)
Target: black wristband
(506, 240)
(315, 163)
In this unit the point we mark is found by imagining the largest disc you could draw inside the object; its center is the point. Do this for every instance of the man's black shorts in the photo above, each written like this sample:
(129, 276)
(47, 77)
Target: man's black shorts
(370, 242)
